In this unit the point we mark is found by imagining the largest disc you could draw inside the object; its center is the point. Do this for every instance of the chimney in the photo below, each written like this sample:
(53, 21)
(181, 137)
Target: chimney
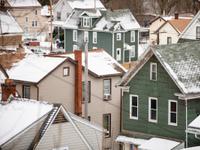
(8, 88)
(78, 82)
(176, 15)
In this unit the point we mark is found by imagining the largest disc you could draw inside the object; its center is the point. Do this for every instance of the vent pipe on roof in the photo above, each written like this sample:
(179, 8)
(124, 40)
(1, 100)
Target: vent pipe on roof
(78, 82)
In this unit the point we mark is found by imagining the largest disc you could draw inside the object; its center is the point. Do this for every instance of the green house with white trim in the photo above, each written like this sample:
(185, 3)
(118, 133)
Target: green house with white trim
(115, 31)
(161, 94)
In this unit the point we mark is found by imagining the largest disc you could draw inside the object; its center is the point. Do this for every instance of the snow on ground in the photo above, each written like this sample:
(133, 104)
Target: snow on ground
(33, 68)
(18, 115)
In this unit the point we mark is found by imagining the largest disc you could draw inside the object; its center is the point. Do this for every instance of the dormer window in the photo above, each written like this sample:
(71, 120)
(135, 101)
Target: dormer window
(86, 22)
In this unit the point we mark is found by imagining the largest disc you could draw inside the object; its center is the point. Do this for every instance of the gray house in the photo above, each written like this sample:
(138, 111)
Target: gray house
(115, 31)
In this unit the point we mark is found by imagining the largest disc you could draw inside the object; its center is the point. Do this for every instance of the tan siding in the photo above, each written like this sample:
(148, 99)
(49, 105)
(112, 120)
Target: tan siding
(24, 141)
(64, 134)
(11, 40)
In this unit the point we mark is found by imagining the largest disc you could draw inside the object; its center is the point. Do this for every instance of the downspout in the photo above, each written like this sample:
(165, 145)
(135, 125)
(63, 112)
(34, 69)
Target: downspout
(186, 123)
(113, 38)
(122, 53)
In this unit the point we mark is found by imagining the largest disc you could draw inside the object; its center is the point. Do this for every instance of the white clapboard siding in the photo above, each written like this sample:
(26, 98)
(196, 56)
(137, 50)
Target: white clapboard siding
(24, 141)
(64, 134)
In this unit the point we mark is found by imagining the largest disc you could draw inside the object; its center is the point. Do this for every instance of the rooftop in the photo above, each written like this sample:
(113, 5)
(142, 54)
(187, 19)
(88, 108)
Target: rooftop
(24, 3)
(180, 24)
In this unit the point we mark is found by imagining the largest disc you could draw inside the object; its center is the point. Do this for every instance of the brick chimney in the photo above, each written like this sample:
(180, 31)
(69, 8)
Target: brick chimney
(8, 88)
(176, 16)
(78, 82)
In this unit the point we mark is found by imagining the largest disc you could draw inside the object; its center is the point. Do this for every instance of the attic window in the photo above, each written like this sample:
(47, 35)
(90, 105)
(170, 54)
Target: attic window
(86, 22)
(118, 36)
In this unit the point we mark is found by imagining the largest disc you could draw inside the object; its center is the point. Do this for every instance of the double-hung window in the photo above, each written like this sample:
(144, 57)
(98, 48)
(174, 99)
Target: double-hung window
(86, 22)
(118, 36)
(153, 71)
(75, 35)
(153, 109)
(132, 38)
(169, 40)
(94, 37)
(86, 36)
(172, 112)
(134, 107)
(107, 89)
(132, 52)
(107, 124)
(198, 32)
(26, 91)
(66, 71)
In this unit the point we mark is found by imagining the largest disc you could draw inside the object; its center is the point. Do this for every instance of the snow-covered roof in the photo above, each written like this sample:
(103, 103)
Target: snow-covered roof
(108, 20)
(195, 123)
(33, 68)
(45, 11)
(17, 115)
(182, 62)
(158, 144)
(112, 19)
(101, 63)
(9, 24)
(85, 4)
(24, 3)
(130, 140)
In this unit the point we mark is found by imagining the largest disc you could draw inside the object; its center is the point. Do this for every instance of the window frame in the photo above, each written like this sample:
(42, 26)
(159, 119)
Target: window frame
(132, 50)
(86, 36)
(36, 12)
(198, 32)
(104, 94)
(94, 37)
(58, 15)
(75, 33)
(149, 110)
(169, 113)
(65, 75)
(151, 71)
(24, 95)
(118, 36)
(120, 50)
(169, 40)
(86, 22)
(131, 105)
(26, 19)
(132, 36)
(108, 135)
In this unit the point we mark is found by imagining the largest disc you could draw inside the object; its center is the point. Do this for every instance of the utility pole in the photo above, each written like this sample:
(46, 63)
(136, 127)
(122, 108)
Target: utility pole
(51, 28)
(86, 79)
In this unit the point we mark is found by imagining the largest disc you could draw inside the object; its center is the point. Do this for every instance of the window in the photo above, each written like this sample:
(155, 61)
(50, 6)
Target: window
(133, 107)
(107, 89)
(86, 22)
(132, 51)
(86, 35)
(26, 19)
(66, 71)
(94, 37)
(58, 15)
(132, 36)
(169, 40)
(34, 23)
(153, 71)
(172, 112)
(36, 12)
(118, 54)
(26, 91)
(89, 91)
(75, 35)
(118, 36)
(153, 109)
(107, 124)
(198, 32)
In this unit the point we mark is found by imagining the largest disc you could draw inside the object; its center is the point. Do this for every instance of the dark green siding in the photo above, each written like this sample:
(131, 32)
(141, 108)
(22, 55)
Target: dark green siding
(119, 44)
(163, 89)
(68, 40)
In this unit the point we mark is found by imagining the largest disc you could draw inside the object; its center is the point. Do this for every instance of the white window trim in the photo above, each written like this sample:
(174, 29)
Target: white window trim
(149, 111)
(169, 106)
(86, 22)
(132, 35)
(86, 36)
(130, 107)
(151, 64)
(75, 35)
(94, 37)
(119, 36)
(120, 53)
(132, 51)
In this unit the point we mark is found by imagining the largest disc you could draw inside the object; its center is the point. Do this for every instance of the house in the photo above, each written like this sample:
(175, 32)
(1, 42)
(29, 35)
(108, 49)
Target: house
(63, 8)
(166, 30)
(115, 31)
(28, 15)
(61, 75)
(31, 124)
(161, 94)
(10, 31)
(192, 31)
